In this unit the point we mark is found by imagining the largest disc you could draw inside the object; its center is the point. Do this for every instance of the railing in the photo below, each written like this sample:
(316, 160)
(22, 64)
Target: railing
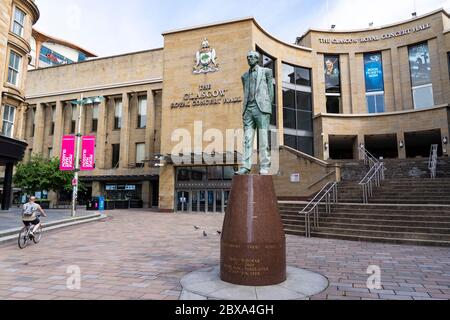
(328, 196)
(369, 159)
(375, 175)
(372, 179)
(432, 164)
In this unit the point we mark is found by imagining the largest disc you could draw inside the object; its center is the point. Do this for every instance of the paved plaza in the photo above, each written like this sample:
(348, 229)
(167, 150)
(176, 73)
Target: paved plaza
(144, 255)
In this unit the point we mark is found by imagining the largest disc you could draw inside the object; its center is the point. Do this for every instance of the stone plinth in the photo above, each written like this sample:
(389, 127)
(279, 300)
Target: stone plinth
(253, 244)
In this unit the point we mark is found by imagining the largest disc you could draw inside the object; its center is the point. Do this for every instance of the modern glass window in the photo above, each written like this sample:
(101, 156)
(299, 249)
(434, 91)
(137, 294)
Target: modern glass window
(375, 103)
(115, 155)
(19, 22)
(118, 114)
(14, 68)
(142, 112)
(420, 68)
(374, 79)
(95, 110)
(8, 121)
(215, 173)
(212, 173)
(270, 63)
(297, 106)
(73, 123)
(332, 73)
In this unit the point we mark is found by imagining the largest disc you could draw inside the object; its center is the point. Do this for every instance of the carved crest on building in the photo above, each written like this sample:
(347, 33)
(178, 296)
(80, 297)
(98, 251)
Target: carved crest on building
(205, 59)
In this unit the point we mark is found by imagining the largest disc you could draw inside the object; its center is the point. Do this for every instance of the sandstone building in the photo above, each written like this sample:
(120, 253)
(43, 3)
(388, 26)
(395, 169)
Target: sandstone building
(385, 88)
(16, 20)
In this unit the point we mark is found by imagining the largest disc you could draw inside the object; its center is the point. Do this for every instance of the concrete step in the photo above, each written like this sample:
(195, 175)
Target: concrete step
(378, 219)
(355, 237)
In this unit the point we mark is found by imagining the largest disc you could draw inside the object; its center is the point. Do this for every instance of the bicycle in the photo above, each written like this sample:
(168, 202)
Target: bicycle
(25, 236)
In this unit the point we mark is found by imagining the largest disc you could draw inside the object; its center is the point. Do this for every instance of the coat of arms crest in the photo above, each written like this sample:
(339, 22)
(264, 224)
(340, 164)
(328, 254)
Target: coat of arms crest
(205, 59)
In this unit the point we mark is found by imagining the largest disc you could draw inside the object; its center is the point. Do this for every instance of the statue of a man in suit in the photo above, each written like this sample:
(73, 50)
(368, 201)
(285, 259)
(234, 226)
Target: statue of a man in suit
(258, 99)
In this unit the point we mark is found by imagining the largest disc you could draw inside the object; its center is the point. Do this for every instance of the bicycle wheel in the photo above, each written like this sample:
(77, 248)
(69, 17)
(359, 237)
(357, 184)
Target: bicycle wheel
(23, 238)
(38, 235)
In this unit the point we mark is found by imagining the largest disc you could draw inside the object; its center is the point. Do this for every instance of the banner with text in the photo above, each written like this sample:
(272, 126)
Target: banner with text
(373, 69)
(67, 162)
(88, 153)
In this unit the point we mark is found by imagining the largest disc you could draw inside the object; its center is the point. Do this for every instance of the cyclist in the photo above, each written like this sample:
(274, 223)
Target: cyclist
(30, 214)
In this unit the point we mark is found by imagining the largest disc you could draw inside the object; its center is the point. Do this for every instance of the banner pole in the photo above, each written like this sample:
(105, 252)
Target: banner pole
(77, 160)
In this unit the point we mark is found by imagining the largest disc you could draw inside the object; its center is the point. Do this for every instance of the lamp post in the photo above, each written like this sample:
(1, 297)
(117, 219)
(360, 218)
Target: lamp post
(75, 183)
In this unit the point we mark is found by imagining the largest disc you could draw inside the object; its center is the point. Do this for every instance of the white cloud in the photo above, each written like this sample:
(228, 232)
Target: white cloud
(106, 28)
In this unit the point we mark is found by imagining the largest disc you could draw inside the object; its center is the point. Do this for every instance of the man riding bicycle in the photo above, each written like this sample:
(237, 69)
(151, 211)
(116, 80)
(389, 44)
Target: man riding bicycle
(30, 214)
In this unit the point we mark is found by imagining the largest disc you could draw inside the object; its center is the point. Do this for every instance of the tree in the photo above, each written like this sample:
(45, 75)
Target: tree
(40, 174)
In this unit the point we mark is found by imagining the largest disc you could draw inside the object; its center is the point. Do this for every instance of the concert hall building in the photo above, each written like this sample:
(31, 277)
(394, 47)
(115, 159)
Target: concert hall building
(386, 88)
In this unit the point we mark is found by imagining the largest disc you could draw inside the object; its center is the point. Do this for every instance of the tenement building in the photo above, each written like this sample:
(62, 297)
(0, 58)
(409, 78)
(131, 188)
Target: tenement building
(169, 129)
(16, 21)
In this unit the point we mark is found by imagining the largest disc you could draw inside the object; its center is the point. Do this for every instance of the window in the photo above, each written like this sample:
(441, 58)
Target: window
(142, 112)
(50, 153)
(420, 68)
(33, 127)
(52, 128)
(140, 154)
(269, 62)
(95, 118)
(8, 121)
(118, 114)
(303, 144)
(332, 75)
(448, 63)
(19, 22)
(297, 106)
(373, 74)
(13, 68)
(115, 155)
(215, 173)
(73, 123)
(332, 83)
(375, 103)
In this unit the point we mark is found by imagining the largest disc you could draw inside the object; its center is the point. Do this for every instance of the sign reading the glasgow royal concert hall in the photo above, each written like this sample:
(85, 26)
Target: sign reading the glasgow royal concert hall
(385, 36)
(206, 96)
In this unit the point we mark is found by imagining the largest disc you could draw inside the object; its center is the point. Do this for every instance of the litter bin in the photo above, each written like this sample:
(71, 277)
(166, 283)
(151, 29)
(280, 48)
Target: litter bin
(94, 204)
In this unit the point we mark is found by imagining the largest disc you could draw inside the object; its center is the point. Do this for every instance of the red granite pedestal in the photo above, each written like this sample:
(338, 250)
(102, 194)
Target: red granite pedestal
(253, 244)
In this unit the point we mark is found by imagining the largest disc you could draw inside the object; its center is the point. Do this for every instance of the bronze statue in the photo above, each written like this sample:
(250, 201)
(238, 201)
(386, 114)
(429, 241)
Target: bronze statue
(258, 99)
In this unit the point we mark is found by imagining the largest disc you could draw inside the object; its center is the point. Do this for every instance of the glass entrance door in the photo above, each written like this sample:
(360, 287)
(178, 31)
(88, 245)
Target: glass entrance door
(183, 201)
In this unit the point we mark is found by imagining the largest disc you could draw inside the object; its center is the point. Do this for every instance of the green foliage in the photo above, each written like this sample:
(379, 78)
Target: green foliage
(42, 174)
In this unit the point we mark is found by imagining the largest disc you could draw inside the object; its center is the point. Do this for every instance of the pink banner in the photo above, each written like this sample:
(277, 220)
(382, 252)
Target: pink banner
(67, 162)
(88, 154)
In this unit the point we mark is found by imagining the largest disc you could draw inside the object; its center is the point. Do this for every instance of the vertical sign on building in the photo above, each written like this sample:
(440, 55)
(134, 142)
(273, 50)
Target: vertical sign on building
(373, 69)
(67, 162)
(88, 153)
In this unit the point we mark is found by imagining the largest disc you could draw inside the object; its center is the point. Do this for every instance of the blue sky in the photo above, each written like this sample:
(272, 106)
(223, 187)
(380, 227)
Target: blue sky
(109, 27)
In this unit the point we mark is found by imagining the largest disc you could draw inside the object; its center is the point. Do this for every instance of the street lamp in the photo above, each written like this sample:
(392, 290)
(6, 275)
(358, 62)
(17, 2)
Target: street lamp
(75, 183)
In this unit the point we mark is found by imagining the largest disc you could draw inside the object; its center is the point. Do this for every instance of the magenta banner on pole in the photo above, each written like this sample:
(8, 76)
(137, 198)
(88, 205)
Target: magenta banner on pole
(67, 162)
(88, 153)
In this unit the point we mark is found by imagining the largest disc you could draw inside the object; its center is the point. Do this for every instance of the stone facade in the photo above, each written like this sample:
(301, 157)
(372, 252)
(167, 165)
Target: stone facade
(177, 109)
(13, 39)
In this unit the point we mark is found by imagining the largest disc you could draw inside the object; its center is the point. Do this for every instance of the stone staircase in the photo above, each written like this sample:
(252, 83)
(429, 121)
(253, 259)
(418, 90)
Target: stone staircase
(409, 207)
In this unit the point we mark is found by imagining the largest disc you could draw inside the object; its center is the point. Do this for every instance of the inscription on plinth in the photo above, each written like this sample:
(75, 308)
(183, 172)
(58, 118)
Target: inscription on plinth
(253, 246)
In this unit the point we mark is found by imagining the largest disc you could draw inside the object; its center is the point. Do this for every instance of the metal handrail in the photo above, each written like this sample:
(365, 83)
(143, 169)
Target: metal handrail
(369, 158)
(328, 195)
(374, 176)
(372, 179)
(432, 163)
